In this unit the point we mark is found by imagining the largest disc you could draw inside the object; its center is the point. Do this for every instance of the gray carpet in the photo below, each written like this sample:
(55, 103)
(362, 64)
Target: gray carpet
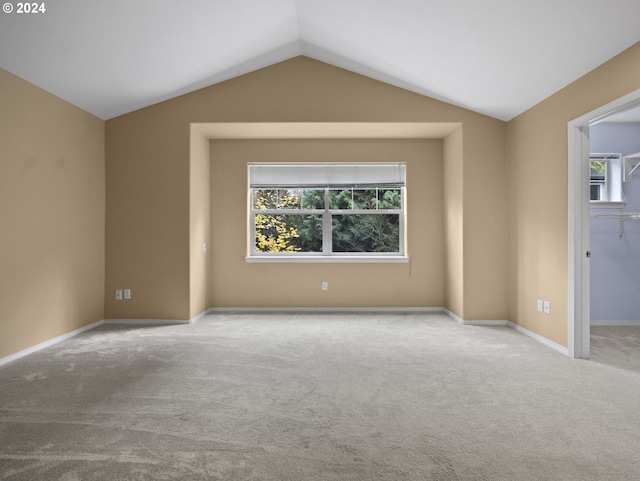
(617, 346)
(318, 397)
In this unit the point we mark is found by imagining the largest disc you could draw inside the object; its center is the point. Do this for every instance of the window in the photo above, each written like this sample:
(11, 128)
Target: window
(597, 178)
(605, 179)
(326, 211)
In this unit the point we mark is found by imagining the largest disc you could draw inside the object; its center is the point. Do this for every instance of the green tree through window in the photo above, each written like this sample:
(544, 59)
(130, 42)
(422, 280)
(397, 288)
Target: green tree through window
(359, 220)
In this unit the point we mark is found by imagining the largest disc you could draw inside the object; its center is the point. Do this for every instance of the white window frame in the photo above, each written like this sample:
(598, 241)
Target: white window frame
(327, 255)
(611, 192)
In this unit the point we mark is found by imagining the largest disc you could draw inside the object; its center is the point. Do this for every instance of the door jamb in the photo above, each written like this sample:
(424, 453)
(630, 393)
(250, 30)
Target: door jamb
(578, 221)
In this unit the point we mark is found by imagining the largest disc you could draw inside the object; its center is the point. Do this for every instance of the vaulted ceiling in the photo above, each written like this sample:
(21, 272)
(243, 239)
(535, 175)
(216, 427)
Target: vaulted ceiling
(496, 57)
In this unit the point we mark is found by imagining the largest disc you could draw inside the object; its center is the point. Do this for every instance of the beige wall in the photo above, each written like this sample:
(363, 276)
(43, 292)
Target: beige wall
(151, 244)
(416, 284)
(158, 200)
(147, 217)
(52, 207)
(453, 161)
(484, 223)
(199, 224)
(537, 179)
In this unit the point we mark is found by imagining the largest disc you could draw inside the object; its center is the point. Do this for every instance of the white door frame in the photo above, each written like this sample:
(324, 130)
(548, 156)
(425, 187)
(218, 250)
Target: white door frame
(579, 318)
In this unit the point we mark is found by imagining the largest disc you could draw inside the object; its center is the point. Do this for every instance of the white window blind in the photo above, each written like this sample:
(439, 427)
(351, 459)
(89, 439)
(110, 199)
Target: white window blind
(326, 175)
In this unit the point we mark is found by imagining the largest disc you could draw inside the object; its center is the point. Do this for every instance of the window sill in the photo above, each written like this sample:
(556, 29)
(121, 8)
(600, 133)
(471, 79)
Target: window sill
(327, 259)
(606, 204)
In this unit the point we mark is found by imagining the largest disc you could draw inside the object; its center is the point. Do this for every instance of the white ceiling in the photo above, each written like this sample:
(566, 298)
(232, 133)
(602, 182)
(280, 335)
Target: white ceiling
(497, 57)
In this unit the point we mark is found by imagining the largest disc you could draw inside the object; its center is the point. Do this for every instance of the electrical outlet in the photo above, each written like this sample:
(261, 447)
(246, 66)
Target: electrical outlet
(127, 293)
(539, 305)
(118, 294)
(325, 286)
(547, 307)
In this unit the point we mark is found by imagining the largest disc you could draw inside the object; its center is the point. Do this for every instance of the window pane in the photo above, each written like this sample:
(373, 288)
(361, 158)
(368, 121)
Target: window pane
(598, 170)
(312, 198)
(288, 233)
(389, 199)
(265, 198)
(288, 199)
(349, 199)
(365, 199)
(366, 233)
(340, 199)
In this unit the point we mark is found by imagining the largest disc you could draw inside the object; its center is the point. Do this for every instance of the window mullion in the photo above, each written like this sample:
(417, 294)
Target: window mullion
(253, 223)
(364, 211)
(326, 226)
(403, 212)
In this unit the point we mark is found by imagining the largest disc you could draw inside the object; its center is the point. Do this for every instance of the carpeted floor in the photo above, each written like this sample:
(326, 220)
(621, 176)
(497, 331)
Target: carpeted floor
(617, 346)
(320, 397)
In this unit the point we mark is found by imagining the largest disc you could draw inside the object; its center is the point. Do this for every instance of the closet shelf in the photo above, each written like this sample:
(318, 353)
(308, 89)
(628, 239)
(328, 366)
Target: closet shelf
(621, 216)
(616, 215)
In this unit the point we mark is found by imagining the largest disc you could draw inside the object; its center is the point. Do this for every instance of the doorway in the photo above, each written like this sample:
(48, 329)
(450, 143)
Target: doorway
(578, 248)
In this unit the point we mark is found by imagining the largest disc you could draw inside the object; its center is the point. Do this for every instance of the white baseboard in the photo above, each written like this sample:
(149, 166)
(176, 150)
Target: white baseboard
(145, 322)
(615, 323)
(199, 316)
(50, 342)
(161, 322)
(325, 309)
(485, 323)
(459, 320)
(125, 322)
(522, 330)
(539, 338)
(155, 322)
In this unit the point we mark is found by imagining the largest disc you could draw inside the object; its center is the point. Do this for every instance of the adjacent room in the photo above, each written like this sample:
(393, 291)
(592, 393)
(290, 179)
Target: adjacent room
(292, 239)
(614, 144)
